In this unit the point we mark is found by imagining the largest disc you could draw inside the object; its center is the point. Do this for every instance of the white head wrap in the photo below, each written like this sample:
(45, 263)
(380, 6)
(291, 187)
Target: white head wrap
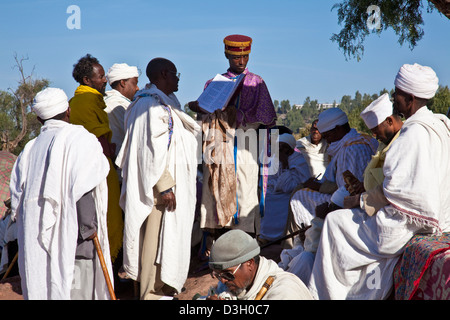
(121, 71)
(377, 111)
(420, 81)
(50, 102)
(287, 138)
(330, 118)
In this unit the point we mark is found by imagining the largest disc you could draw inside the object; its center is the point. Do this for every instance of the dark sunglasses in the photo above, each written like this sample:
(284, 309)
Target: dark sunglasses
(227, 275)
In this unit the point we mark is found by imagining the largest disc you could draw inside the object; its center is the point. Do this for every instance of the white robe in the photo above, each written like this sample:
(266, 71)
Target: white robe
(353, 152)
(279, 188)
(143, 158)
(50, 175)
(315, 154)
(357, 253)
(116, 106)
(286, 286)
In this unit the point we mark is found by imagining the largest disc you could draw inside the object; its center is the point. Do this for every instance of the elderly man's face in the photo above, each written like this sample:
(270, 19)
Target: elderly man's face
(384, 132)
(172, 78)
(331, 135)
(236, 278)
(130, 87)
(314, 133)
(400, 102)
(97, 80)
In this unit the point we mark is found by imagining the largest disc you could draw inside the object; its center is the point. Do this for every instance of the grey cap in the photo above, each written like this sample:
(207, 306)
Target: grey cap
(232, 248)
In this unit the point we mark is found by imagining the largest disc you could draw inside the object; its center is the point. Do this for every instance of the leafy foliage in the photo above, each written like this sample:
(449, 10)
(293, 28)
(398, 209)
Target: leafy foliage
(18, 124)
(404, 17)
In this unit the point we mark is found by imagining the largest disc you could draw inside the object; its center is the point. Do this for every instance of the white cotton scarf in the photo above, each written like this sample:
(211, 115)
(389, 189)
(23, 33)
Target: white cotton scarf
(417, 168)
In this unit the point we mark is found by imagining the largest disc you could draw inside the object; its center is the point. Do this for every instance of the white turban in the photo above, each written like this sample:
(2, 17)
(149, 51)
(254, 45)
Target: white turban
(330, 118)
(121, 71)
(420, 81)
(50, 102)
(377, 111)
(287, 138)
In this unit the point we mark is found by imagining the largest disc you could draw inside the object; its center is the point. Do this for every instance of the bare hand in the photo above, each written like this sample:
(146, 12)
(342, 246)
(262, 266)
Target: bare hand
(352, 184)
(322, 210)
(351, 201)
(169, 201)
(194, 106)
(312, 183)
(301, 234)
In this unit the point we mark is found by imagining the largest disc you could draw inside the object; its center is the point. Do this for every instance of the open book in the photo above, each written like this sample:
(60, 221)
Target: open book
(219, 92)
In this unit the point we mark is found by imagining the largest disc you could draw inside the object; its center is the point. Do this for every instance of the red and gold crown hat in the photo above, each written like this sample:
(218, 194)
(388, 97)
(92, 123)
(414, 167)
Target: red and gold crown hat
(237, 44)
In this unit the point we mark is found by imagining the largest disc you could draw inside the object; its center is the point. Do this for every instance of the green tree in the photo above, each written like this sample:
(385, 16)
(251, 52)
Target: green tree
(276, 104)
(285, 106)
(440, 103)
(403, 17)
(18, 124)
(191, 113)
(294, 120)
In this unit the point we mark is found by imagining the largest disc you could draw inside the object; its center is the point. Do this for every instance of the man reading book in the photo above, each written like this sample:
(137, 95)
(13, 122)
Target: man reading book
(230, 188)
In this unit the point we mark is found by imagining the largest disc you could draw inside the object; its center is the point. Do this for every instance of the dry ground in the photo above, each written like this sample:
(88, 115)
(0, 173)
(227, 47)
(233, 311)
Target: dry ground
(198, 282)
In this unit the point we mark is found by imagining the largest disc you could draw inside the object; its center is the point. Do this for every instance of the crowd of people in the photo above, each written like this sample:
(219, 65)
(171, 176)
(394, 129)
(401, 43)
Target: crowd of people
(113, 179)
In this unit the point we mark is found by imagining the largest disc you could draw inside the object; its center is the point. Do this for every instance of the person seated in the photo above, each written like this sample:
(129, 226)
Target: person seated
(236, 263)
(289, 169)
(314, 149)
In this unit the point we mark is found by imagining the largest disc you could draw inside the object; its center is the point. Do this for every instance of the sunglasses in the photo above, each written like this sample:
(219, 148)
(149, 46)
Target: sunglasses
(227, 275)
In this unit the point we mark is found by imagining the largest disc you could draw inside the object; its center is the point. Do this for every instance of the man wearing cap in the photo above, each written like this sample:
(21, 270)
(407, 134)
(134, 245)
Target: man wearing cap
(59, 200)
(369, 242)
(88, 109)
(235, 261)
(158, 159)
(250, 109)
(291, 171)
(123, 80)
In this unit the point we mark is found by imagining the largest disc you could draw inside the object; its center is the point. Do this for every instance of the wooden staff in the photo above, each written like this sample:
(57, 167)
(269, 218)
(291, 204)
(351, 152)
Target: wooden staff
(264, 288)
(11, 266)
(104, 269)
(293, 234)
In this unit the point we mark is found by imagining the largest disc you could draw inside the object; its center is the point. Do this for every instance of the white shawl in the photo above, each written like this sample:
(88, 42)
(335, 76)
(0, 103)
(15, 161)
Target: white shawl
(116, 105)
(143, 158)
(286, 285)
(417, 168)
(315, 155)
(50, 175)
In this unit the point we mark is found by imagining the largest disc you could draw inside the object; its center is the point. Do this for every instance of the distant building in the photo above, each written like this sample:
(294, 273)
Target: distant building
(319, 105)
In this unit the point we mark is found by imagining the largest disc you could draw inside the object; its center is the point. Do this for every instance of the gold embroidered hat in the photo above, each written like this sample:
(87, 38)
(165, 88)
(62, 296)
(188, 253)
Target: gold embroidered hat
(237, 45)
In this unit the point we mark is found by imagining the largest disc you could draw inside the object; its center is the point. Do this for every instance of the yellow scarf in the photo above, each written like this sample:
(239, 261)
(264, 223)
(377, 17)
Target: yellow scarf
(373, 174)
(87, 109)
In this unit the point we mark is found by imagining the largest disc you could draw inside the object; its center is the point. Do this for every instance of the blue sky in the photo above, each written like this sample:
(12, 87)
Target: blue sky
(291, 49)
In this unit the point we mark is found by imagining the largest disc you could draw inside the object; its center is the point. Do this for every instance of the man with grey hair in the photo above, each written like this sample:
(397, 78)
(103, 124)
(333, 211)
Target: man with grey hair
(235, 261)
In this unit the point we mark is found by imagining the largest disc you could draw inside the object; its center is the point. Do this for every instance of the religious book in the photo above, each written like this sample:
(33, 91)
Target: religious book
(218, 93)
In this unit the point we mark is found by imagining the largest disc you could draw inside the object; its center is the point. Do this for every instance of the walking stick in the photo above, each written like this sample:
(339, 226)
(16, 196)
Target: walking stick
(104, 269)
(293, 234)
(11, 266)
